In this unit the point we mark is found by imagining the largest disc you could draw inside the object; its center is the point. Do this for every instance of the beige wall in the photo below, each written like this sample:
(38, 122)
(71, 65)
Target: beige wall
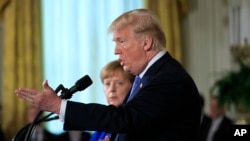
(207, 37)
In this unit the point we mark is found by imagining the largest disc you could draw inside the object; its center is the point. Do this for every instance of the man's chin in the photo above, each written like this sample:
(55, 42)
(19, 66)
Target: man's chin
(125, 68)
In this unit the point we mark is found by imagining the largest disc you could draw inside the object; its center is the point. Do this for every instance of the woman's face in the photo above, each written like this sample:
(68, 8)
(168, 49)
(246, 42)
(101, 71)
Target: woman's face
(116, 87)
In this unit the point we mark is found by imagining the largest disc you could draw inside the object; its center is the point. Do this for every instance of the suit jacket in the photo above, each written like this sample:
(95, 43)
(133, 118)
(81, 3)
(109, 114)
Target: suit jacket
(204, 127)
(166, 107)
(223, 132)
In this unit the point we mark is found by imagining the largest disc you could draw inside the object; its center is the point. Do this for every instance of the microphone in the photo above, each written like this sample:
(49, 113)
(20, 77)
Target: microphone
(80, 85)
(26, 132)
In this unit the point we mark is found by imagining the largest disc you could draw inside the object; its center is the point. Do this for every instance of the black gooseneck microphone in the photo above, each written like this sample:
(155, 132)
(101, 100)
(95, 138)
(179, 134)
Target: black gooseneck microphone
(25, 133)
(80, 85)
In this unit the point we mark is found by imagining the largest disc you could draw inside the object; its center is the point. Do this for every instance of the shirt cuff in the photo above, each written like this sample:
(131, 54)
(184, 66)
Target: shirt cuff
(62, 110)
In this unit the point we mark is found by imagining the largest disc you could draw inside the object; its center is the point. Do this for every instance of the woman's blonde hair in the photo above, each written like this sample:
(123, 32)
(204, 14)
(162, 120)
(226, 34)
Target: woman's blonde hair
(109, 68)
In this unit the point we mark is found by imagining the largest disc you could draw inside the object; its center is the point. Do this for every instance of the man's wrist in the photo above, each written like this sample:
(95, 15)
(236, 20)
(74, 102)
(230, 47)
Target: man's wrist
(62, 110)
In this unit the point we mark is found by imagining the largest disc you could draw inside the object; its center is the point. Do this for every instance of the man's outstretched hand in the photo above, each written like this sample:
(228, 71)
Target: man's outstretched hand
(46, 100)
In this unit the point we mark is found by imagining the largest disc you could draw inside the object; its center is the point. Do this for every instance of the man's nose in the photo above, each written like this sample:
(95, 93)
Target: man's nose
(117, 50)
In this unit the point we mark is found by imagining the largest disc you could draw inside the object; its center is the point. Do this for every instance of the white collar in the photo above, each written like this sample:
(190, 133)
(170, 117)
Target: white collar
(152, 61)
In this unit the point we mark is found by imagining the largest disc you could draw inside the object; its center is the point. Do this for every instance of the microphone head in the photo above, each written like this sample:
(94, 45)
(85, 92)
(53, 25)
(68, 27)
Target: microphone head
(83, 83)
(80, 85)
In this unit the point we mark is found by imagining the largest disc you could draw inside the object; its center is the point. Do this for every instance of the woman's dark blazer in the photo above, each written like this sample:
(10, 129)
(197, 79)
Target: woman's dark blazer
(166, 107)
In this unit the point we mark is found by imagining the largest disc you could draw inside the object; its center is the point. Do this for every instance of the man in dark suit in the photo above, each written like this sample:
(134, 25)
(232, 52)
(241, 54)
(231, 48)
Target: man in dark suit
(205, 122)
(220, 126)
(164, 105)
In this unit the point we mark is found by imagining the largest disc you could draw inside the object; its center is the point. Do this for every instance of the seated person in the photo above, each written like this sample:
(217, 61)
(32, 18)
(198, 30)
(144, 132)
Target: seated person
(74, 136)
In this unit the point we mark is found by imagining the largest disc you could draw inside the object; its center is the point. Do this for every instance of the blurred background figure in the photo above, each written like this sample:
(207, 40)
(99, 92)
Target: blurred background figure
(219, 128)
(2, 137)
(40, 133)
(74, 136)
(205, 121)
(116, 85)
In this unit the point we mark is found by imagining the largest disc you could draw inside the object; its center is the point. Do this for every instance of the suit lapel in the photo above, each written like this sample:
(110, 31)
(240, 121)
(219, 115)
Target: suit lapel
(151, 72)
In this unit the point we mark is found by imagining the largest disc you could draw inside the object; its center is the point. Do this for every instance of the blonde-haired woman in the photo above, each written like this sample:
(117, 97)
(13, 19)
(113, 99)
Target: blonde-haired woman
(116, 85)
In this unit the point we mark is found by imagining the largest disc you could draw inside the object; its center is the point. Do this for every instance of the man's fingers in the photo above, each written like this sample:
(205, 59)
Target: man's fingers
(26, 94)
(46, 85)
(26, 91)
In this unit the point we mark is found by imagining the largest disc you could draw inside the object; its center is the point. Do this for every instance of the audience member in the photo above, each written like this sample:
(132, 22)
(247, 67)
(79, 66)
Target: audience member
(39, 133)
(219, 128)
(2, 136)
(74, 136)
(164, 101)
(205, 121)
(116, 85)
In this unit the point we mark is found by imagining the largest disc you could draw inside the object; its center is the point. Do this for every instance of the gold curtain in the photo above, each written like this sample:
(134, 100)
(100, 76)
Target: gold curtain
(22, 58)
(170, 13)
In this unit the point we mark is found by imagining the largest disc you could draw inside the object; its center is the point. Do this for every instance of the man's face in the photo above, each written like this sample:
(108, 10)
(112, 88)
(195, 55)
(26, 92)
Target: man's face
(132, 55)
(215, 109)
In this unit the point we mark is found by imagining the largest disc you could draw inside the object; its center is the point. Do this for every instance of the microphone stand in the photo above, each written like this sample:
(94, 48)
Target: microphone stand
(29, 128)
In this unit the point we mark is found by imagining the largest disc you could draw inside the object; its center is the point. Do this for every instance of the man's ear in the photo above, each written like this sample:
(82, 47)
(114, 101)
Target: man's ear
(148, 43)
